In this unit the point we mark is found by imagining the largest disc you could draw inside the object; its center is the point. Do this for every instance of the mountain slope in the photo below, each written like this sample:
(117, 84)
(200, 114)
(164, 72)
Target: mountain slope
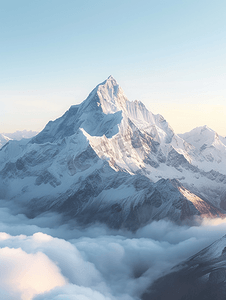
(3, 140)
(201, 277)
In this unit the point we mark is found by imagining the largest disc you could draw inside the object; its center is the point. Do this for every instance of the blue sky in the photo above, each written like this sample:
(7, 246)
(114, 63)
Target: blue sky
(168, 54)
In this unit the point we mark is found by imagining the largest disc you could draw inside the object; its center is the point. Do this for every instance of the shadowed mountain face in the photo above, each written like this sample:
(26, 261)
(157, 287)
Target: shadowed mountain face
(124, 201)
(112, 161)
(202, 277)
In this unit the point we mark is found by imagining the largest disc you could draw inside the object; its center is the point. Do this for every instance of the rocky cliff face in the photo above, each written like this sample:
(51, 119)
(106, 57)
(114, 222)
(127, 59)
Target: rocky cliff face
(110, 160)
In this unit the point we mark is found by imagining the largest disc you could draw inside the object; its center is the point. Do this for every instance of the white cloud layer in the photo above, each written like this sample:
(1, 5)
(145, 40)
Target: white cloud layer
(42, 259)
(27, 274)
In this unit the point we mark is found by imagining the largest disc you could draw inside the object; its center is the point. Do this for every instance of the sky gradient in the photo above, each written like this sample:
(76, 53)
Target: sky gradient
(168, 54)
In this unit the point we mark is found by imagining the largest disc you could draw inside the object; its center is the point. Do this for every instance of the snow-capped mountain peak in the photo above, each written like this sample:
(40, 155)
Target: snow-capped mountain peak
(111, 96)
(107, 96)
(200, 136)
(208, 143)
(109, 149)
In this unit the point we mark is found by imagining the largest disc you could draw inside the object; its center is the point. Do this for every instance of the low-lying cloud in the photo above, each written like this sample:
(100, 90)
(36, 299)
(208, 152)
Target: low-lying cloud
(27, 274)
(44, 259)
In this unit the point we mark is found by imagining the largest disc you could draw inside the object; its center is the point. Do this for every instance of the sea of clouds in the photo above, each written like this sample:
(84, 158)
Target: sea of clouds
(45, 259)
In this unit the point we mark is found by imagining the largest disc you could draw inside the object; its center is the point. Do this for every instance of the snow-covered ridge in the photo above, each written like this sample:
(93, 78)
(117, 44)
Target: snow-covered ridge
(3, 140)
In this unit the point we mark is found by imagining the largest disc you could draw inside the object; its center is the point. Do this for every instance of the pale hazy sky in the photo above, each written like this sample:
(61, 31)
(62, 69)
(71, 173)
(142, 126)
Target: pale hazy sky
(169, 54)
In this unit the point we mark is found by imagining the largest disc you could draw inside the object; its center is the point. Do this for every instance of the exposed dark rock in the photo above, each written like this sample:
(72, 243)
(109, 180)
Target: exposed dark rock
(47, 177)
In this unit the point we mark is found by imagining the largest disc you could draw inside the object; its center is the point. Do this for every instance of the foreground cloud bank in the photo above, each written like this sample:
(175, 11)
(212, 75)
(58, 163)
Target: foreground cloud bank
(27, 274)
(43, 259)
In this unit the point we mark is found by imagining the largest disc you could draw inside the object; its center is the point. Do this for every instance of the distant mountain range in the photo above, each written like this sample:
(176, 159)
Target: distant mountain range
(18, 135)
(111, 160)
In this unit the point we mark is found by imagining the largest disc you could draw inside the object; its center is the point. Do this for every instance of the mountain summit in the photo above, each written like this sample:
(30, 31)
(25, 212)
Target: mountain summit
(111, 160)
(101, 113)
